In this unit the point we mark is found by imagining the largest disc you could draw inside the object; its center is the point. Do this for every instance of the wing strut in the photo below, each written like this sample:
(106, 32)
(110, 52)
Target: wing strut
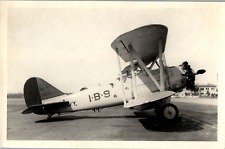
(145, 68)
(152, 64)
(121, 78)
(161, 67)
(167, 80)
(133, 81)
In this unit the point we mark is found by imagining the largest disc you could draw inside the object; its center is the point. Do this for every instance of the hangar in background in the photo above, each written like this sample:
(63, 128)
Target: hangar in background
(208, 91)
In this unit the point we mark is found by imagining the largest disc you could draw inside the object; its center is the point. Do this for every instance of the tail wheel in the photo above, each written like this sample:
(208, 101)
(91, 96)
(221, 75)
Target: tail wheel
(49, 116)
(170, 112)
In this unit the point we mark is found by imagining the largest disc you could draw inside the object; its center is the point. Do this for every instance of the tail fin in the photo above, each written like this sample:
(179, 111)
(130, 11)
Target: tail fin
(36, 90)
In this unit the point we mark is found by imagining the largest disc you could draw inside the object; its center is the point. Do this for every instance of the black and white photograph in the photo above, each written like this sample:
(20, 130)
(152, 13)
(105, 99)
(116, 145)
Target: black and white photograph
(116, 74)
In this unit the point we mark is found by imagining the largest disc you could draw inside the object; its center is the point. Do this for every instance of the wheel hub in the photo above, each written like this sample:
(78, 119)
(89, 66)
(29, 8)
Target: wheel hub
(169, 112)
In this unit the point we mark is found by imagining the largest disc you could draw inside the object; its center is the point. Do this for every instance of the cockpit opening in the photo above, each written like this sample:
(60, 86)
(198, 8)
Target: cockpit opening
(83, 88)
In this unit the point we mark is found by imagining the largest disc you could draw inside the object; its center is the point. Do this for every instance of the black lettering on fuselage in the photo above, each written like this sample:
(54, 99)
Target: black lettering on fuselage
(98, 96)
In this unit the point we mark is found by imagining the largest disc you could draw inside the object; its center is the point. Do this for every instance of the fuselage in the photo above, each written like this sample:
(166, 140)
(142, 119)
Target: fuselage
(93, 98)
(112, 94)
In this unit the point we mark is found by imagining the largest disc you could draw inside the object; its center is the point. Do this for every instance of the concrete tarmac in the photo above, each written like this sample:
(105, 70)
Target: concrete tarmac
(198, 123)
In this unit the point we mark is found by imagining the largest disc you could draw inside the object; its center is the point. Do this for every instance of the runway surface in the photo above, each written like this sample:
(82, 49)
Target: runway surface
(199, 123)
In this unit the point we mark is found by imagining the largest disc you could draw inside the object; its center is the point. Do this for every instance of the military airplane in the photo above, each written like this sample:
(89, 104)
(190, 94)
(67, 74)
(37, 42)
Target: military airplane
(138, 87)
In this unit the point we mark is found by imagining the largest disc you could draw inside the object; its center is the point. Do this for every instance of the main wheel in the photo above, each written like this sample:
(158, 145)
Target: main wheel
(169, 112)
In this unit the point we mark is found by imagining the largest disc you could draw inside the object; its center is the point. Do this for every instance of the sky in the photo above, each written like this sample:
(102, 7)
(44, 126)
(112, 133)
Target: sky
(69, 45)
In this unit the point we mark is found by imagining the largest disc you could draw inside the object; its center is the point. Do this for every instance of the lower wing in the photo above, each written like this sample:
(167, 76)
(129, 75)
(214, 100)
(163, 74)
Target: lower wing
(147, 98)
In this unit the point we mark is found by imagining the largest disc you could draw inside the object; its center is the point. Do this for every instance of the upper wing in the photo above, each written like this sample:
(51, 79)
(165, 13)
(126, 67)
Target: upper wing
(144, 40)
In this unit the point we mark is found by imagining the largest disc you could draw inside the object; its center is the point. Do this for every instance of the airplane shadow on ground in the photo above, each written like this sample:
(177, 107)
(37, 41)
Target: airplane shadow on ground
(153, 123)
(71, 117)
(148, 120)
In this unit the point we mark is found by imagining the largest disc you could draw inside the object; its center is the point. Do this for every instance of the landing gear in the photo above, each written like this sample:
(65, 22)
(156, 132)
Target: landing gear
(168, 112)
(49, 116)
(158, 111)
(97, 110)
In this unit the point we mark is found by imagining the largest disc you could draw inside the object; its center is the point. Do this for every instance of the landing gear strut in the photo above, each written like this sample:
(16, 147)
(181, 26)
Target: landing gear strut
(49, 116)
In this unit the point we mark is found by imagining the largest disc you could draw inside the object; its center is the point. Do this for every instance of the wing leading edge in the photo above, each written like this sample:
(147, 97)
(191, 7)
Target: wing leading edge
(147, 98)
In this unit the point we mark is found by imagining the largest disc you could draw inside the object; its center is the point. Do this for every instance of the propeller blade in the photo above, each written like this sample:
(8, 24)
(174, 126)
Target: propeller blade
(200, 71)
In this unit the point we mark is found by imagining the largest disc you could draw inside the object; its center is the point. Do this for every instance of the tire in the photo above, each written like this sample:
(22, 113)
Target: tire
(169, 112)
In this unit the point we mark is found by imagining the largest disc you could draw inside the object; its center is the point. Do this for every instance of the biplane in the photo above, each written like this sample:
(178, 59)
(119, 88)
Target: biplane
(145, 83)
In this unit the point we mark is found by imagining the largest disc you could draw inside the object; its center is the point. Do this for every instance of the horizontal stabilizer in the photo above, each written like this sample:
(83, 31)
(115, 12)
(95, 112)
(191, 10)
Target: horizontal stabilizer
(46, 108)
(149, 97)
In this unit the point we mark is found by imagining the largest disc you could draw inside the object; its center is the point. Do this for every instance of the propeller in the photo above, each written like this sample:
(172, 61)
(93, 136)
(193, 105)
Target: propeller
(189, 73)
(200, 71)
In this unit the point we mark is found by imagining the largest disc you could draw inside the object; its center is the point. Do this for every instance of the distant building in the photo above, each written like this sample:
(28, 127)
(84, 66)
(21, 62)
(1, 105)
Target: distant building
(209, 91)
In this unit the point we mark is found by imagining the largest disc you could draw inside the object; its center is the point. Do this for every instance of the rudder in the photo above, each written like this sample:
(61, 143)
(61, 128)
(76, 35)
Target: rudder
(36, 90)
